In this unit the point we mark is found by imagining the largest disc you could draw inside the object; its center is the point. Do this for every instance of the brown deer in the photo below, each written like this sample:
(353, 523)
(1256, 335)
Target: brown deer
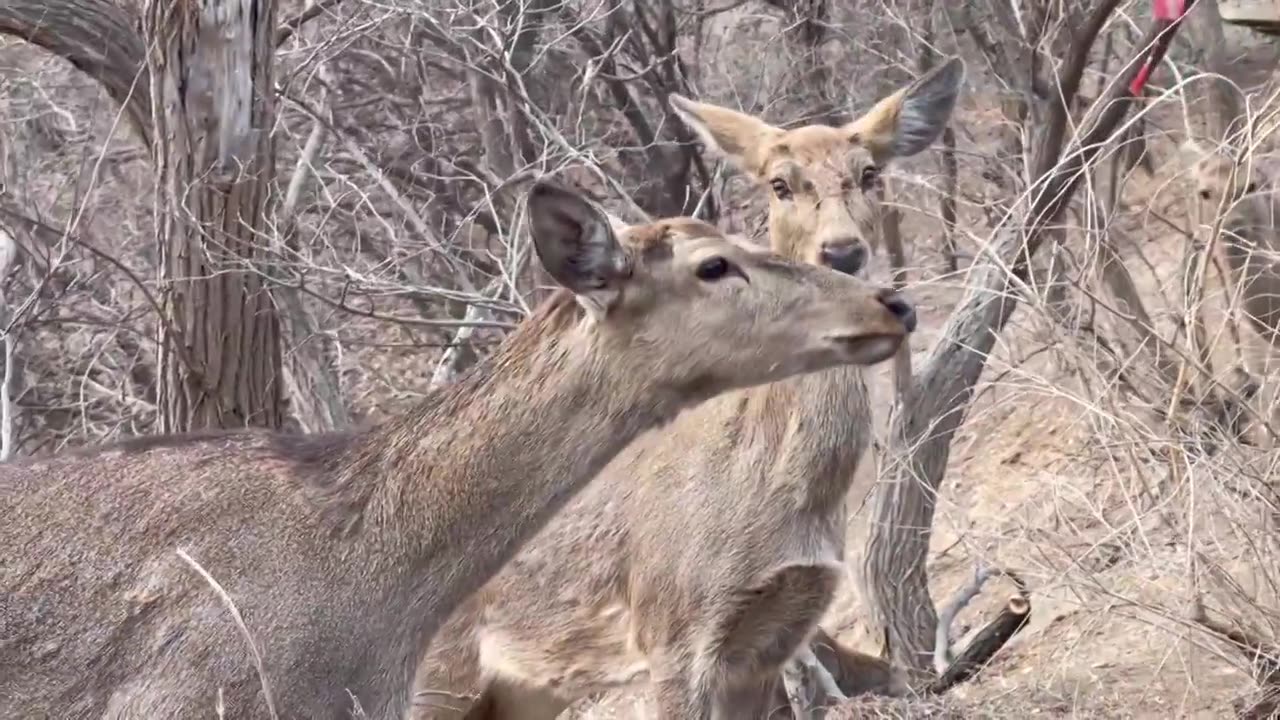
(704, 555)
(1250, 238)
(251, 574)
(1250, 243)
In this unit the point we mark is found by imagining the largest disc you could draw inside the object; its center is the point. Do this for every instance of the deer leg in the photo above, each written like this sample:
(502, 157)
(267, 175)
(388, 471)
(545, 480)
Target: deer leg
(763, 631)
(810, 686)
(799, 688)
(823, 677)
(748, 701)
(509, 700)
(677, 695)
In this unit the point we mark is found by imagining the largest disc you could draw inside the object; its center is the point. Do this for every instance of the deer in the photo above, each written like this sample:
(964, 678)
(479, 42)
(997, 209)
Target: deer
(254, 574)
(700, 561)
(1242, 198)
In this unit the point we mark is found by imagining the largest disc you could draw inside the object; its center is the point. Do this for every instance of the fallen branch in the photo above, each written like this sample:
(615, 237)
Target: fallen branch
(809, 684)
(989, 640)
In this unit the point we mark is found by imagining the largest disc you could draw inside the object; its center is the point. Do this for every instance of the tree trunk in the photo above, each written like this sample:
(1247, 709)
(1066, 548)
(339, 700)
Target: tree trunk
(920, 440)
(197, 84)
(213, 110)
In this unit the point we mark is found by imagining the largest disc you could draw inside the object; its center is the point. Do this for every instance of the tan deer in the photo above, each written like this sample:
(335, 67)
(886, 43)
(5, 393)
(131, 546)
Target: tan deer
(1250, 237)
(342, 554)
(703, 557)
(1250, 244)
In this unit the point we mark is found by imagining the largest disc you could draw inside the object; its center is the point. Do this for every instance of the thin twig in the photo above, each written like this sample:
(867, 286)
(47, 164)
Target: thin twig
(244, 629)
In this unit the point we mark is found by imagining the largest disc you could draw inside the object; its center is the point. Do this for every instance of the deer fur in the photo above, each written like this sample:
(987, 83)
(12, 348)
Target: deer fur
(341, 554)
(1250, 239)
(1242, 198)
(705, 554)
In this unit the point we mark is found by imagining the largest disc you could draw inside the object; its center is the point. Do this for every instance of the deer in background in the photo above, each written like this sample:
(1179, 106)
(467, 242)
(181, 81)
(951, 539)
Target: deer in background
(251, 574)
(1244, 198)
(703, 557)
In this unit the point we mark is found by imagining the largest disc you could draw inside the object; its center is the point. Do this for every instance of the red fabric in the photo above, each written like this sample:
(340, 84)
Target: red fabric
(1168, 9)
(1140, 80)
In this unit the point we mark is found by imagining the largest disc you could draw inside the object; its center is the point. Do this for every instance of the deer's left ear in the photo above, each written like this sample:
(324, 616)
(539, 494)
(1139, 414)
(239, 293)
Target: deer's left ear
(577, 245)
(909, 120)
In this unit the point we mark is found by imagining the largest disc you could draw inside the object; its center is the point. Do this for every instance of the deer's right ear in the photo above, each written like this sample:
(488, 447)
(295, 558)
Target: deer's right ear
(735, 136)
(1191, 152)
(908, 121)
(576, 243)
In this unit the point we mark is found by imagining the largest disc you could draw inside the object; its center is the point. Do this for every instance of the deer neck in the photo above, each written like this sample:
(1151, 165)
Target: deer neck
(451, 491)
(821, 424)
(817, 426)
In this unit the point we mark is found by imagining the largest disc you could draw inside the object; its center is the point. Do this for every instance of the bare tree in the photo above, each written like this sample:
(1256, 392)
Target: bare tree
(203, 96)
(894, 564)
(213, 113)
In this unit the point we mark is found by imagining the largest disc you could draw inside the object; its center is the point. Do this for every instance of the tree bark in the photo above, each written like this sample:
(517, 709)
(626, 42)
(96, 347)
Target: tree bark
(213, 110)
(202, 98)
(895, 561)
(96, 37)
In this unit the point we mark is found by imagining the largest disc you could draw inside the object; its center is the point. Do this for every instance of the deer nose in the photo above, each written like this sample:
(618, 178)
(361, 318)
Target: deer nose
(900, 308)
(846, 256)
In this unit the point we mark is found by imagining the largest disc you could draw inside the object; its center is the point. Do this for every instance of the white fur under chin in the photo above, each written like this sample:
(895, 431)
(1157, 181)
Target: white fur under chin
(873, 351)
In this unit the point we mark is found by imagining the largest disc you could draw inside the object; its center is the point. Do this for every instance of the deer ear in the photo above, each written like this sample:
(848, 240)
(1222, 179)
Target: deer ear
(909, 120)
(735, 136)
(1190, 151)
(576, 243)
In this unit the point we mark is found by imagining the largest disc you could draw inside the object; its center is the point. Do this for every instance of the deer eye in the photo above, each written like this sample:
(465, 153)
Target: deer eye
(713, 269)
(780, 188)
(870, 176)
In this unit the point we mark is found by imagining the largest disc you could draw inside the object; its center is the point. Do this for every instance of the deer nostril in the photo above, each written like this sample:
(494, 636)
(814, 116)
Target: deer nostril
(846, 256)
(900, 308)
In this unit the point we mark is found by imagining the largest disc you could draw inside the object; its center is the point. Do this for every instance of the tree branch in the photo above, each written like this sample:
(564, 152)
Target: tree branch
(955, 669)
(895, 561)
(291, 25)
(97, 37)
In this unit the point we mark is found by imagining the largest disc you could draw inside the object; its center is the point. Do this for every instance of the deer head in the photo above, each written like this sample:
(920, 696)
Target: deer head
(825, 181)
(1217, 175)
(678, 300)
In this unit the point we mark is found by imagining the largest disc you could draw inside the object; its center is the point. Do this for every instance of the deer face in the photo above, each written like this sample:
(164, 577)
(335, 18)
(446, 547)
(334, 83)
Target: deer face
(699, 314)
(1217, 176)
(824, 182)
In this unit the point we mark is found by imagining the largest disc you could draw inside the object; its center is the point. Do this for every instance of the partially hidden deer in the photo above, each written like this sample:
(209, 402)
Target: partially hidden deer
(251, 575)
(704, 555)
(1242, 199)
